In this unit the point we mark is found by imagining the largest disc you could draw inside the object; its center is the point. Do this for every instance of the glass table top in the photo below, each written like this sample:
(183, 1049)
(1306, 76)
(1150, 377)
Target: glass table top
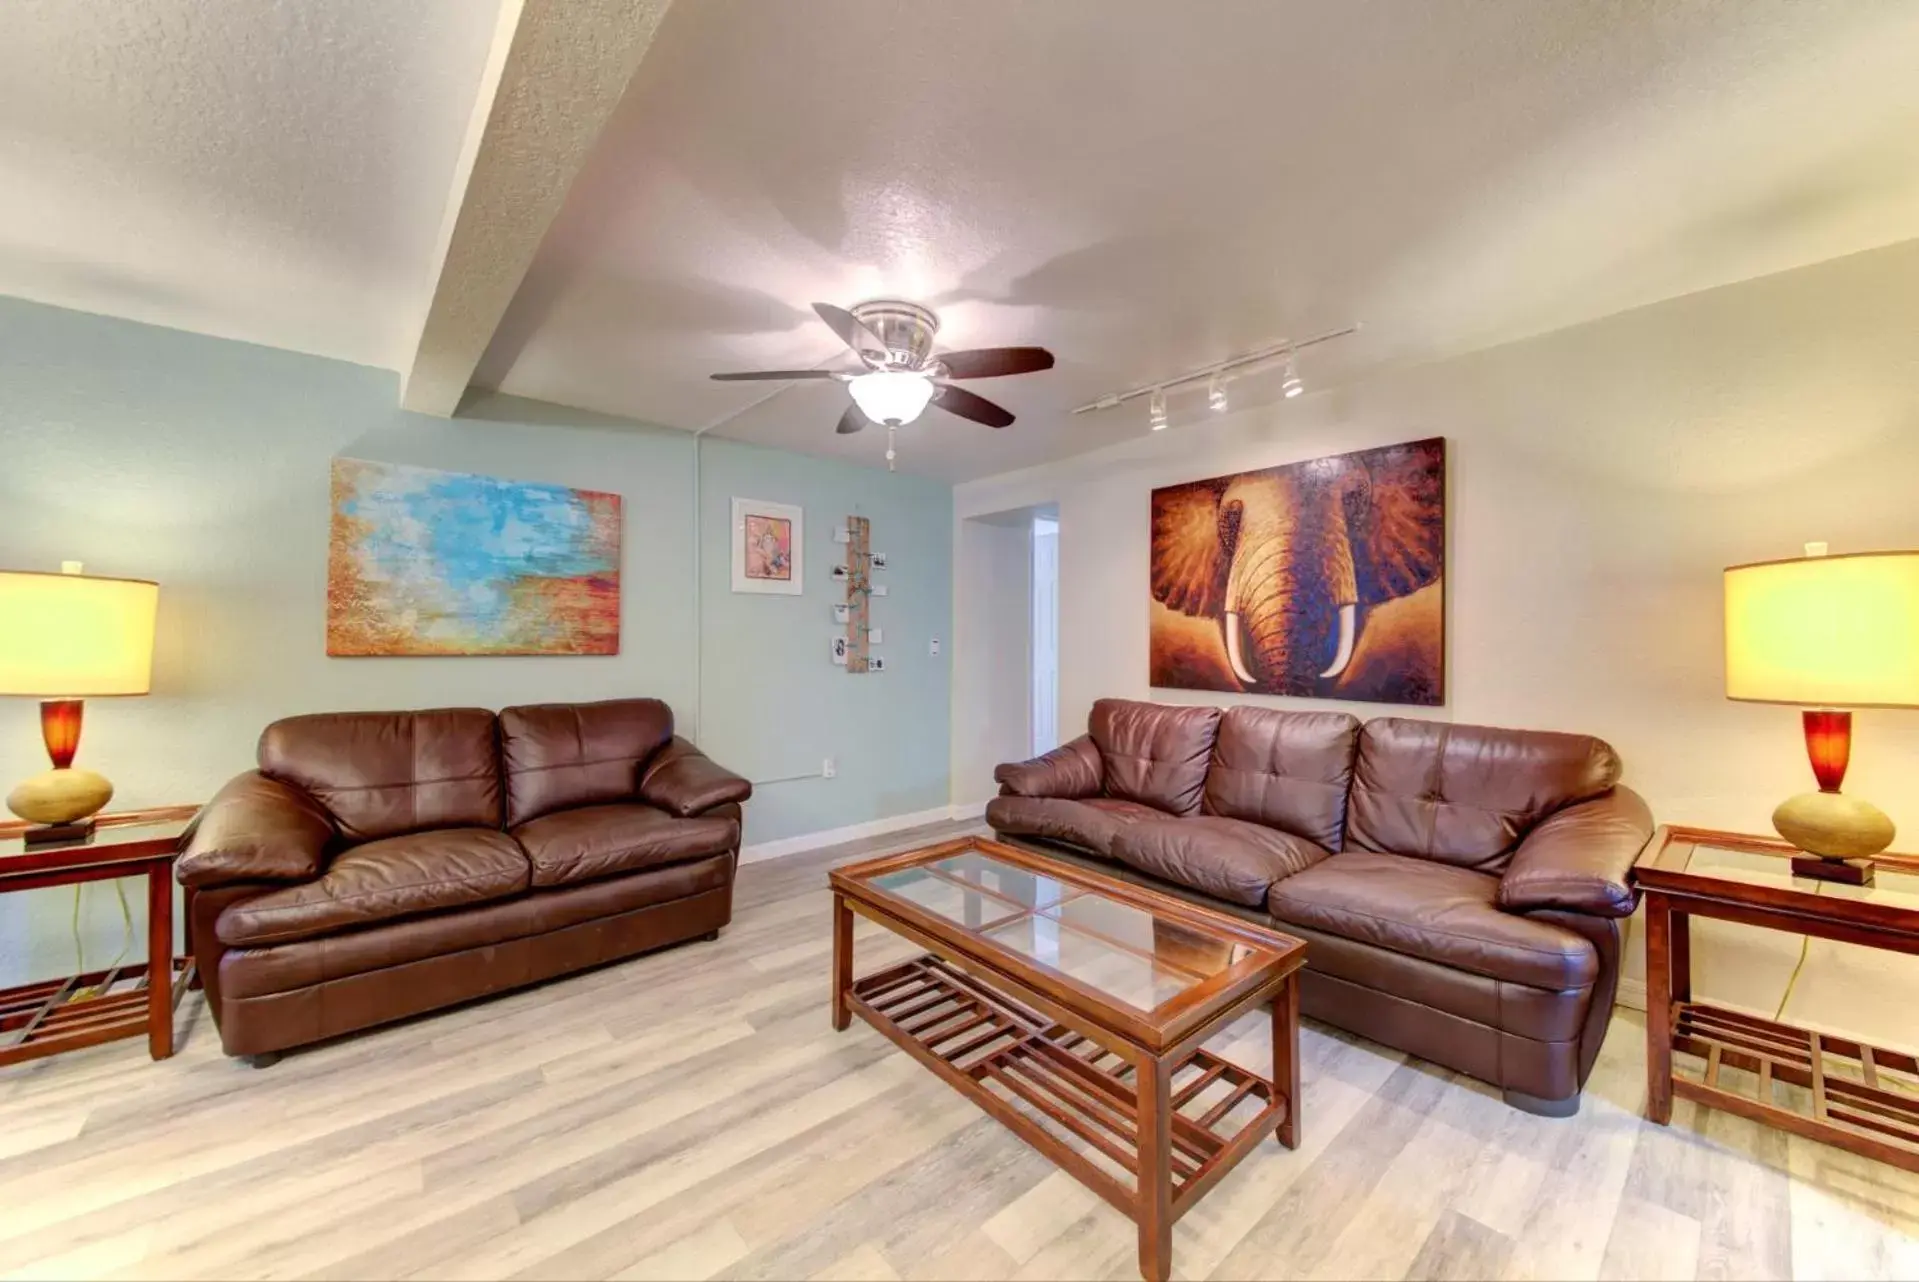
(1896, 886)
(164, 824)
(1113, 947)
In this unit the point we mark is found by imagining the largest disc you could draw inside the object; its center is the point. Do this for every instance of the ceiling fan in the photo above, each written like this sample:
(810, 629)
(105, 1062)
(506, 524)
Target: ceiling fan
(902, 376)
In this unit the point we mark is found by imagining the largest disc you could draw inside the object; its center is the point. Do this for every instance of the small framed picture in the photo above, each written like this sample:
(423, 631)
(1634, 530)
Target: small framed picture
(839, 651)
(879, 560)
(839, 574)
(874, 663)
(842, 612)
(768, 541)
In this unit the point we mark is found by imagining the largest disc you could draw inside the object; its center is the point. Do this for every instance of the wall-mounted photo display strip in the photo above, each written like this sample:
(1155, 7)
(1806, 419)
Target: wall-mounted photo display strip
(859, 576)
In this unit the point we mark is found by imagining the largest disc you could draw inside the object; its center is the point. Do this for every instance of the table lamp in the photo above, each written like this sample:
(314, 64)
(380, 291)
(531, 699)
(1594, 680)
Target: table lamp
(64, 636)
(1831, 633)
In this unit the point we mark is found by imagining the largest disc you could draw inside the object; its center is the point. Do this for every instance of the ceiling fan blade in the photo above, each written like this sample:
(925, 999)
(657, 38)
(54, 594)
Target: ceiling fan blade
(996, 362)
(851, 330)
(957, 400)
(851, 421)
(769, 375)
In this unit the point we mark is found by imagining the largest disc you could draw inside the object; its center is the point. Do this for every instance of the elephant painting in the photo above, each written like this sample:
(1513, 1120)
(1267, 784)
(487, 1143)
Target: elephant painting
(1322, 578)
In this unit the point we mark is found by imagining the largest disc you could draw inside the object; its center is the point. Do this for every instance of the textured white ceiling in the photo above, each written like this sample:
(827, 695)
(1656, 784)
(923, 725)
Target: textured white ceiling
(269, 170)
(1146, 187)
(1141, 186)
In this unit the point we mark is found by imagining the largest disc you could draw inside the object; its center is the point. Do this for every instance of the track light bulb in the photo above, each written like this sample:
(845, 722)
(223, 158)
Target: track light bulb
(1292, 386)
(1216, 395)
(1156, 416)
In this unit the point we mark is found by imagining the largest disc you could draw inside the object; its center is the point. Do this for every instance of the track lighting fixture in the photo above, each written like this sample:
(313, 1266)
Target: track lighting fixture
(1156, 416)
(1217, 374)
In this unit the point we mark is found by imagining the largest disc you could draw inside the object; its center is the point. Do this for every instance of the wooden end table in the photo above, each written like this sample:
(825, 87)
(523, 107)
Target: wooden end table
(1855, 1096)
(52, 1016)
(1073, 1008)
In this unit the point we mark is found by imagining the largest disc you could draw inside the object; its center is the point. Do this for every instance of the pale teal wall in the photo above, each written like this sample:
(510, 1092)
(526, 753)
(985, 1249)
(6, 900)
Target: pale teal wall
(203, 464)
(774, 703)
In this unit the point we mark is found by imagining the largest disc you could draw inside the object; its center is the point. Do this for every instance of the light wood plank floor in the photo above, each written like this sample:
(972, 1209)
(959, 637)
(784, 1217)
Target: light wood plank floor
(691, 1114)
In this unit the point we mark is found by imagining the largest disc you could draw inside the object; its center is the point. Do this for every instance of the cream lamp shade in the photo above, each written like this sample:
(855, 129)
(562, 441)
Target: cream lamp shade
(1825, 631)
(75, 635)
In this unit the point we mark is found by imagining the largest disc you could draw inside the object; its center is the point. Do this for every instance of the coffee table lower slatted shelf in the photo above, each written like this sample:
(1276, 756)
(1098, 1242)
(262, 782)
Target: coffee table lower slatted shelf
(1069, 1097)
(1869, 1092)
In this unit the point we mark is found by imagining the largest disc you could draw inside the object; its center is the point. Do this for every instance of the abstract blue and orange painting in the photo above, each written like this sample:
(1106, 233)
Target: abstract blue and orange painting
(426, 562)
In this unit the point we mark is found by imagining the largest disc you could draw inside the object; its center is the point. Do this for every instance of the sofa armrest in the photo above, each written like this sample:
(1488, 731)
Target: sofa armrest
(1580, 859)
(684, 781)
(255, 829)
(1070, 771)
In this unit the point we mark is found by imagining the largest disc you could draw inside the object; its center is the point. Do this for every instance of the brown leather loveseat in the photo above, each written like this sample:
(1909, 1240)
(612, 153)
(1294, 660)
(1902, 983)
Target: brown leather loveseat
(1461, 889)
(381, 864)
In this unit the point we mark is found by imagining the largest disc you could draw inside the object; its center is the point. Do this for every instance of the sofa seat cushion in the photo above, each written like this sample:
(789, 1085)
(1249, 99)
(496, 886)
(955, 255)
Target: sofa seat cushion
(383, 881)
(1091, 824)
(1227, 858)
(1435, 911)
(571, 846)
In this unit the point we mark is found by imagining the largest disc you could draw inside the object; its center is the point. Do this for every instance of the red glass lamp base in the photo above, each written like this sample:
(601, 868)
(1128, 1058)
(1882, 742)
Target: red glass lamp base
(1828, 745)
(60, 729)
(1840, 830)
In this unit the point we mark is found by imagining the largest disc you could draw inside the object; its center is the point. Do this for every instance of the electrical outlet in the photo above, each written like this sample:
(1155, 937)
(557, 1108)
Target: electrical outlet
(933, 647)
(829, 768)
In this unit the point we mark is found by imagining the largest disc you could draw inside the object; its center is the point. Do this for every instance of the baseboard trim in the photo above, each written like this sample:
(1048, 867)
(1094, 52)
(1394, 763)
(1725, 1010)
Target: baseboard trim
(1631, 994)
(761, 851)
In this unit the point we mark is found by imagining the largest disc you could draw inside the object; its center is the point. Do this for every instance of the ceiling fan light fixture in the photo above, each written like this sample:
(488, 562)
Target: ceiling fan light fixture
(893, 397)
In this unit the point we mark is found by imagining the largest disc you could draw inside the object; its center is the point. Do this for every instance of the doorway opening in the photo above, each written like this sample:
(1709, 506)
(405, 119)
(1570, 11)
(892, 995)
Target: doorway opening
(1045, 632)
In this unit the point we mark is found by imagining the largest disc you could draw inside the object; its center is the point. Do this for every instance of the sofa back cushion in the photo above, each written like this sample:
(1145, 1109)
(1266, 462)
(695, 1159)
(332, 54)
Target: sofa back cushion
(561, 755)
(1466, 795)
(381, 774)
(1154, 753)
(1287, 770)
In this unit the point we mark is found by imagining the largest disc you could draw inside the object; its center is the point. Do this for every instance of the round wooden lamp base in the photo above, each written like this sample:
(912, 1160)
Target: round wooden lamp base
(60, 796)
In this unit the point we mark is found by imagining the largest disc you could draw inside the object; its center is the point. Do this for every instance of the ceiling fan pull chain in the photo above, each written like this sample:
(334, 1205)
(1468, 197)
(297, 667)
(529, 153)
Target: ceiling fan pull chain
(891, 432)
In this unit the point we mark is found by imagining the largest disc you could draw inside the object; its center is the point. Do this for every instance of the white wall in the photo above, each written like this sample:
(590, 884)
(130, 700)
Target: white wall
(992, 650)
(1601, 477)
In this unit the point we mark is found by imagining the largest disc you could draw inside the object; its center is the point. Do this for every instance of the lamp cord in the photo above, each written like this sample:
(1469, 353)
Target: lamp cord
(79, 949)
(1805, 946)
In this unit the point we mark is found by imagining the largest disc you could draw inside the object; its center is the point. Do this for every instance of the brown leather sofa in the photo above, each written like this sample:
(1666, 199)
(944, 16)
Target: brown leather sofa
(381, 864)
(1461, 889)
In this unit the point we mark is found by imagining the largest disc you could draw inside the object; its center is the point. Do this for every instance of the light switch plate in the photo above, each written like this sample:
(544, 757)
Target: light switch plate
(933, 647)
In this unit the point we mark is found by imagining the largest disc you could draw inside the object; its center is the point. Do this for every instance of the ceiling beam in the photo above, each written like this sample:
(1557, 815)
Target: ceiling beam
(556, 71)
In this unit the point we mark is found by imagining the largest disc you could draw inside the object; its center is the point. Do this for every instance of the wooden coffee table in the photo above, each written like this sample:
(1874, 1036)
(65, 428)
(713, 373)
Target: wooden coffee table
(1073, 1007)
